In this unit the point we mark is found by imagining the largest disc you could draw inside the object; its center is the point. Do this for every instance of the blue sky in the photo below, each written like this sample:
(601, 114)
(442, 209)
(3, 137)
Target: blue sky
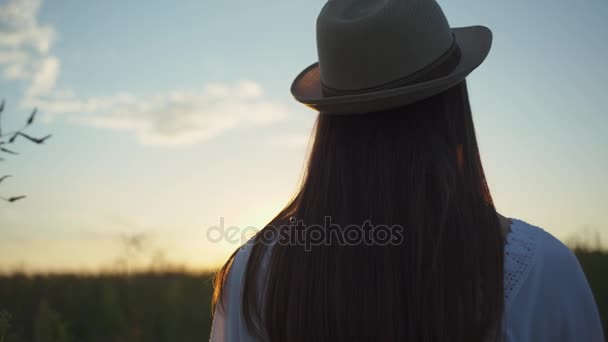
(169, 115)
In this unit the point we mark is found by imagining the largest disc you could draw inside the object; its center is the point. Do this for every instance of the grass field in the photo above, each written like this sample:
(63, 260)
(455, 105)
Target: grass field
(595, 265)
(146, 307)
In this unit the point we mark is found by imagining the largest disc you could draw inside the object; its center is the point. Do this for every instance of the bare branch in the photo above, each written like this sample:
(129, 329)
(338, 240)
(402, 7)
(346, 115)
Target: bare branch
(30, 138)
(13, 137)
(6, 150)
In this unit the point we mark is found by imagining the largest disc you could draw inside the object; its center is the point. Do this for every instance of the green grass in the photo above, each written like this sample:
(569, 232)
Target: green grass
(5, 319)
(147, 307)
(595, 265)
(144, 307)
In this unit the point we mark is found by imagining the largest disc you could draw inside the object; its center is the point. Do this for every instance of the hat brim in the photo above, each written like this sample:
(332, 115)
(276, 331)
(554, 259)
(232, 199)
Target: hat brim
(474, 43)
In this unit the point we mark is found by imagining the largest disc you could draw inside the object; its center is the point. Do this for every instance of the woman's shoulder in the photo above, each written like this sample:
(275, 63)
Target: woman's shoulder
(546, 291)
(534, 247)
(549, 260)
(531, 252)
(241, 260)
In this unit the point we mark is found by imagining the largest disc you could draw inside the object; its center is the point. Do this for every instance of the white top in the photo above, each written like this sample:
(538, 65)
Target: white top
(547, 297)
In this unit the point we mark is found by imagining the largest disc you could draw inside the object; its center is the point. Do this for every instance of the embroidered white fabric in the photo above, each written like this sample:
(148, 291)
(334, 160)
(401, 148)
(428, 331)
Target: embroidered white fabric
(520, 248)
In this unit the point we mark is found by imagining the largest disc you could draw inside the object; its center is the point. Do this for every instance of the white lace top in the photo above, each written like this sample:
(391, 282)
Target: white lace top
(547, 297)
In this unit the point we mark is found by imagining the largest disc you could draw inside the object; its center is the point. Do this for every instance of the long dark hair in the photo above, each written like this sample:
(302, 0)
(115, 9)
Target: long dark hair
(415, 167)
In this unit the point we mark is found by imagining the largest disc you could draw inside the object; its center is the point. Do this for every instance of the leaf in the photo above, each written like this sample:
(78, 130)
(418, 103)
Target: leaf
(32, 139)
(4, 177)
(12, 199)
(1, 110)
(7, 150)
(16, 198)
(32, 116)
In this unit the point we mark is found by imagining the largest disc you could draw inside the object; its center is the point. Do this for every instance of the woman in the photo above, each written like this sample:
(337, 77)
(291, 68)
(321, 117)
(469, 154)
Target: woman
(393, 235)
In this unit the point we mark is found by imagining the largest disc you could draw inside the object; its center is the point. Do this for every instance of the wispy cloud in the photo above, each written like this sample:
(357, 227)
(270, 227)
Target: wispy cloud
(170, 118)
(174, 118)
(44, 78)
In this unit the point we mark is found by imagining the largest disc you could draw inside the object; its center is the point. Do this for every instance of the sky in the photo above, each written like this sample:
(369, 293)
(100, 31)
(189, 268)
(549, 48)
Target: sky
(169, 117)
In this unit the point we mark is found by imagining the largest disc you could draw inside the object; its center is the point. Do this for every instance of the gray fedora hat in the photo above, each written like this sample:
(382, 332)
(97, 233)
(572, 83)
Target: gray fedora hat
(380, 54)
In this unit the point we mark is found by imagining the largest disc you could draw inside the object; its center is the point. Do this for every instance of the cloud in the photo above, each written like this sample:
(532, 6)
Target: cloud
(187, 117)
(20, 26)
(45, 77)
(179, 117)
(25, 46)
(12, 56)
